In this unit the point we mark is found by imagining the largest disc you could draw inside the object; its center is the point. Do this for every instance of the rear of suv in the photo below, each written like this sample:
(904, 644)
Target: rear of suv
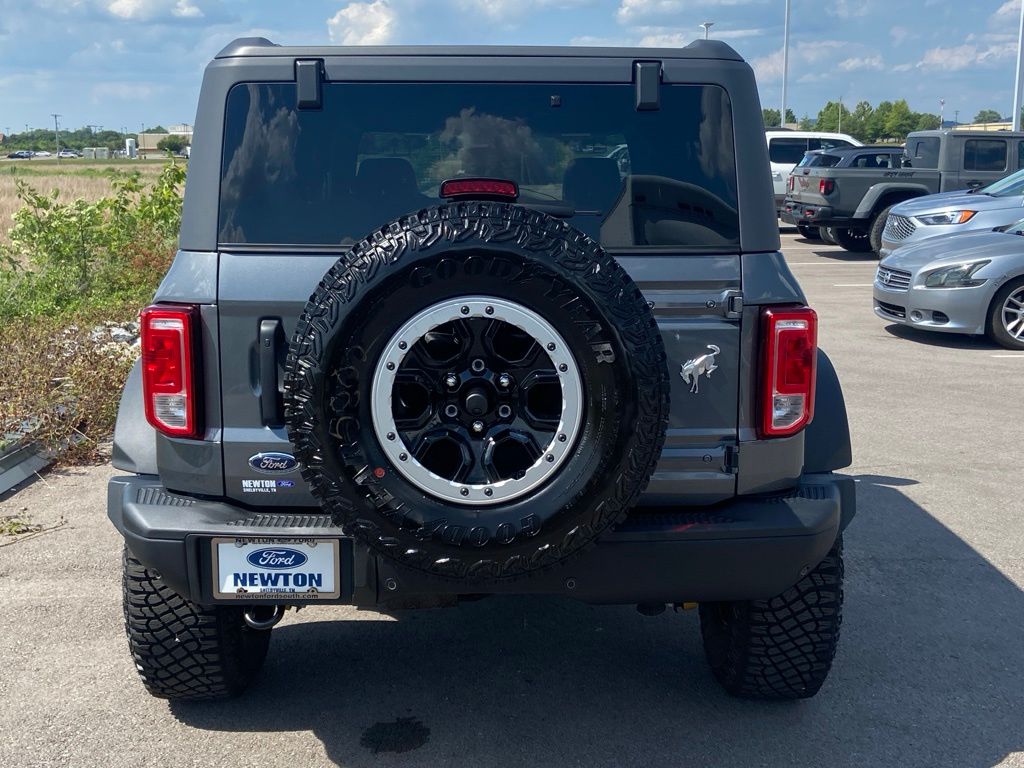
(427, 339)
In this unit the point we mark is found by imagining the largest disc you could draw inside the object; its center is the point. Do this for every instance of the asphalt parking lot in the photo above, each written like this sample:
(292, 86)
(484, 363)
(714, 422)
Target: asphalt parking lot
(930, 670)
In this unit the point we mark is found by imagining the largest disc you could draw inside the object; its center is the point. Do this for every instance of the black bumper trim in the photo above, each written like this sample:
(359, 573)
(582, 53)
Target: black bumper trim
(751, 547)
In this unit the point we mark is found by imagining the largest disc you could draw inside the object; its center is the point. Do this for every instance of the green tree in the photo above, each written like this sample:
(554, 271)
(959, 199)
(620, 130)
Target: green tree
(829, 117)
(172, 143)
(900, 121)
(770, 117)
(806, 123)
(859, 121)
(988, 116)
(876, 128)
(157, 129)
(927, 122)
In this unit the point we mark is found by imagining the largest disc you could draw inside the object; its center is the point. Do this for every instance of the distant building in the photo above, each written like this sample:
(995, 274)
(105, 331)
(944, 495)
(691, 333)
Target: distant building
(147, 142)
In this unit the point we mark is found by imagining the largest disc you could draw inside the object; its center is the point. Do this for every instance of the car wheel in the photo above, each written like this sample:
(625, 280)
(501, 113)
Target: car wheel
(877, 228)
(852, 240)
(808, 232)
(1006, 315)
(827, 235)
(780, 648)
(186, 651)
(478, 391)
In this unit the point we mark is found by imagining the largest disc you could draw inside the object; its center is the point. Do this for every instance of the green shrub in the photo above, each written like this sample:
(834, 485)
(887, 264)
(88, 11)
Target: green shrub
(66, 256)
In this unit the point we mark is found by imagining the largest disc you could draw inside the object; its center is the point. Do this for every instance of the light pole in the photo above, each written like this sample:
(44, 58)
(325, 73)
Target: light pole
(956, 118)
(942, 112)
(1020, 63)
(56, 134)
(706, 26)
(785, 63)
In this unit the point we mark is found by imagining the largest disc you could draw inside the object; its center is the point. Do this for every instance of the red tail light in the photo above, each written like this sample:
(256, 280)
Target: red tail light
(486, 188)
(168, 369)
(788, 370)
(827, 186)
(790, 184)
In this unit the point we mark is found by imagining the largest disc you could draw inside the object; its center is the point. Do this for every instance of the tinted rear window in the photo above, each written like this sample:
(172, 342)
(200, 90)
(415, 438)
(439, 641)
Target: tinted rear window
(820, 161)
(787, 151)
(377, 151)
(922, 152)
(984, 155)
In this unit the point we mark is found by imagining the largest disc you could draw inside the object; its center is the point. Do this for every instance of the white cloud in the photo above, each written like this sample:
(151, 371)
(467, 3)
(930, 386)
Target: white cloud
(363, 24)
(958, 57)
(769, 68)
(513, 10)
(845, 9)
(864, 62)
(145, 10)
(104, 92)
(632, 10)
(1008, 12)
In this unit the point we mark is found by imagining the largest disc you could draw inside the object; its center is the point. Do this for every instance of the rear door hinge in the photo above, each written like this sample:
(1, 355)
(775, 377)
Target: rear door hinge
(732, 460)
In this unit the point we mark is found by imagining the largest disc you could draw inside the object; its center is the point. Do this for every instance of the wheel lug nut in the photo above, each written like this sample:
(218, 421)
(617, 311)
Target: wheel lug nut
(451, 380)
(478, 426)
(504, 411)
(504, 381)
(451, 411)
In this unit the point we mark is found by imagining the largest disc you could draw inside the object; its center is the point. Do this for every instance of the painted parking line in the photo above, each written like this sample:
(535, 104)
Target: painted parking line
(1019, 357)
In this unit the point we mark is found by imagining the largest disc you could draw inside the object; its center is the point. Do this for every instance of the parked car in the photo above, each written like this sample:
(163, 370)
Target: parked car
(997, 205)
(449, 380)
(787, 148)
(933, 161)
(21, 154)
(68, 154)
(818, 210)
(966, 283)
(43, 153)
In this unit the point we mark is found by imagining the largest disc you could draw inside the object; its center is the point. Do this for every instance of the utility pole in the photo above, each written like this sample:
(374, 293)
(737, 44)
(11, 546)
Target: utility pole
(942, 112)
(785, 64)
(1017, 79)
(840, 129)
(956, 118)
(56, 134)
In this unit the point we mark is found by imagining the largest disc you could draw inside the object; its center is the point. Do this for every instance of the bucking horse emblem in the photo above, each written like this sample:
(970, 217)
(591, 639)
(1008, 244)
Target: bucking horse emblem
(702, 365)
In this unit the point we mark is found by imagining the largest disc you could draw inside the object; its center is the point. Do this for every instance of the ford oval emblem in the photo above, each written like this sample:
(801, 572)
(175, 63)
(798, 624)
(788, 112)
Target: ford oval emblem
(273, 463)
(277, 558)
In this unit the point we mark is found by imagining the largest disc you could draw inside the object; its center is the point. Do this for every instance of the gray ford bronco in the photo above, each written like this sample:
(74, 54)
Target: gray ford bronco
(428, 338)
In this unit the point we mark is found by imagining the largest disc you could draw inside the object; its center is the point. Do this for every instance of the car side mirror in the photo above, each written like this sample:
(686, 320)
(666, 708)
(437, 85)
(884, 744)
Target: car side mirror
(974, 185)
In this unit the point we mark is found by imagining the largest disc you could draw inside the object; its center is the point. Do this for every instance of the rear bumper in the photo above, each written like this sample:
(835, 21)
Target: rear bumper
(752, 547)
(809, 215)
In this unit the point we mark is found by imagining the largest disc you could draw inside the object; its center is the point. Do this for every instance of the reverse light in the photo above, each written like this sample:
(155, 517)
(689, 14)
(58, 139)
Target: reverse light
(949, 217)
(480, 188)
(168, 370)
(788, 369)
(956, 276)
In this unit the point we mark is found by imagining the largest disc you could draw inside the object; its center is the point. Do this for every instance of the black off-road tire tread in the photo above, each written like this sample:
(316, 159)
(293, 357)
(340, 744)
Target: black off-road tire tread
(808, 232)
(781, 648)
(185, 651)
(877, 228)
(845, 240)
(826, 235)
(564, 249)
(994, 323)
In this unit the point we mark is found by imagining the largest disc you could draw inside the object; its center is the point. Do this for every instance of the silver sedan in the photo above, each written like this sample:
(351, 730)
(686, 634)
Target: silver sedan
(966, 283)
(997, 205)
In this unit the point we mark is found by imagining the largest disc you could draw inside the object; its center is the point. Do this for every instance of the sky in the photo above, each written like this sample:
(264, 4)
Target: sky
(124, 63)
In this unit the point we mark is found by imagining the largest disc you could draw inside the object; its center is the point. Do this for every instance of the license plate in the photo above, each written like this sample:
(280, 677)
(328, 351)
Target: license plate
(283, 569)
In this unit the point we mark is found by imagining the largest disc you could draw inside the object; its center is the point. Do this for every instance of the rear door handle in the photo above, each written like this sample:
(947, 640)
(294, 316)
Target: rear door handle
(271, 341)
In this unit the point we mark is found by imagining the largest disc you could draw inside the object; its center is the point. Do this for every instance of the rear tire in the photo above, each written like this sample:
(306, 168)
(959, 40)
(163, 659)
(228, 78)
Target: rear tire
(852, 240)
(877, 228)
(781, 648)
(186, 651)
(1006, 316)
(827, 235)
(808, 232)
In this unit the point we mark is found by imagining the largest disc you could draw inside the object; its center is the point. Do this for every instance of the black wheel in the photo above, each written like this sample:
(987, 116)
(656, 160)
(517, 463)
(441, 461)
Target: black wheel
(478, 391)
(186, 651)
(877, 228)
(827, 235)
(852, 240)
(808, 232)
(1006, 315)
(780, 648)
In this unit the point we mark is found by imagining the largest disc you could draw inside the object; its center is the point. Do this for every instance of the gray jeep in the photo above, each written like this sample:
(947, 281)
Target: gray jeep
(426, 340)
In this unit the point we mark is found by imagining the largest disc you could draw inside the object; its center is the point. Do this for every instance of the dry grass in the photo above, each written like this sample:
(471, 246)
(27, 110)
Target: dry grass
(70, 178)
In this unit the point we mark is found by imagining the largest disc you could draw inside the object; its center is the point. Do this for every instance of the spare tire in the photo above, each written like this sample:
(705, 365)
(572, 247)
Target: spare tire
(477, 391)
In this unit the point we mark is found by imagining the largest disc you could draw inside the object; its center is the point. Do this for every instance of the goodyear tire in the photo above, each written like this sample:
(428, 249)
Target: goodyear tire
(852, 240)
(781, 648)
(477, 391)
(184, 651)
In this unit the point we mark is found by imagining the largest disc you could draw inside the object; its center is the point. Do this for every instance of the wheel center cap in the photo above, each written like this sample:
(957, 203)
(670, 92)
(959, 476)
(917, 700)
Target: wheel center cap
(476, 403)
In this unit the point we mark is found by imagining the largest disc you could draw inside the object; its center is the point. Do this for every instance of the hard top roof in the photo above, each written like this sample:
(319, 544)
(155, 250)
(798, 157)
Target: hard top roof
(260, 46)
